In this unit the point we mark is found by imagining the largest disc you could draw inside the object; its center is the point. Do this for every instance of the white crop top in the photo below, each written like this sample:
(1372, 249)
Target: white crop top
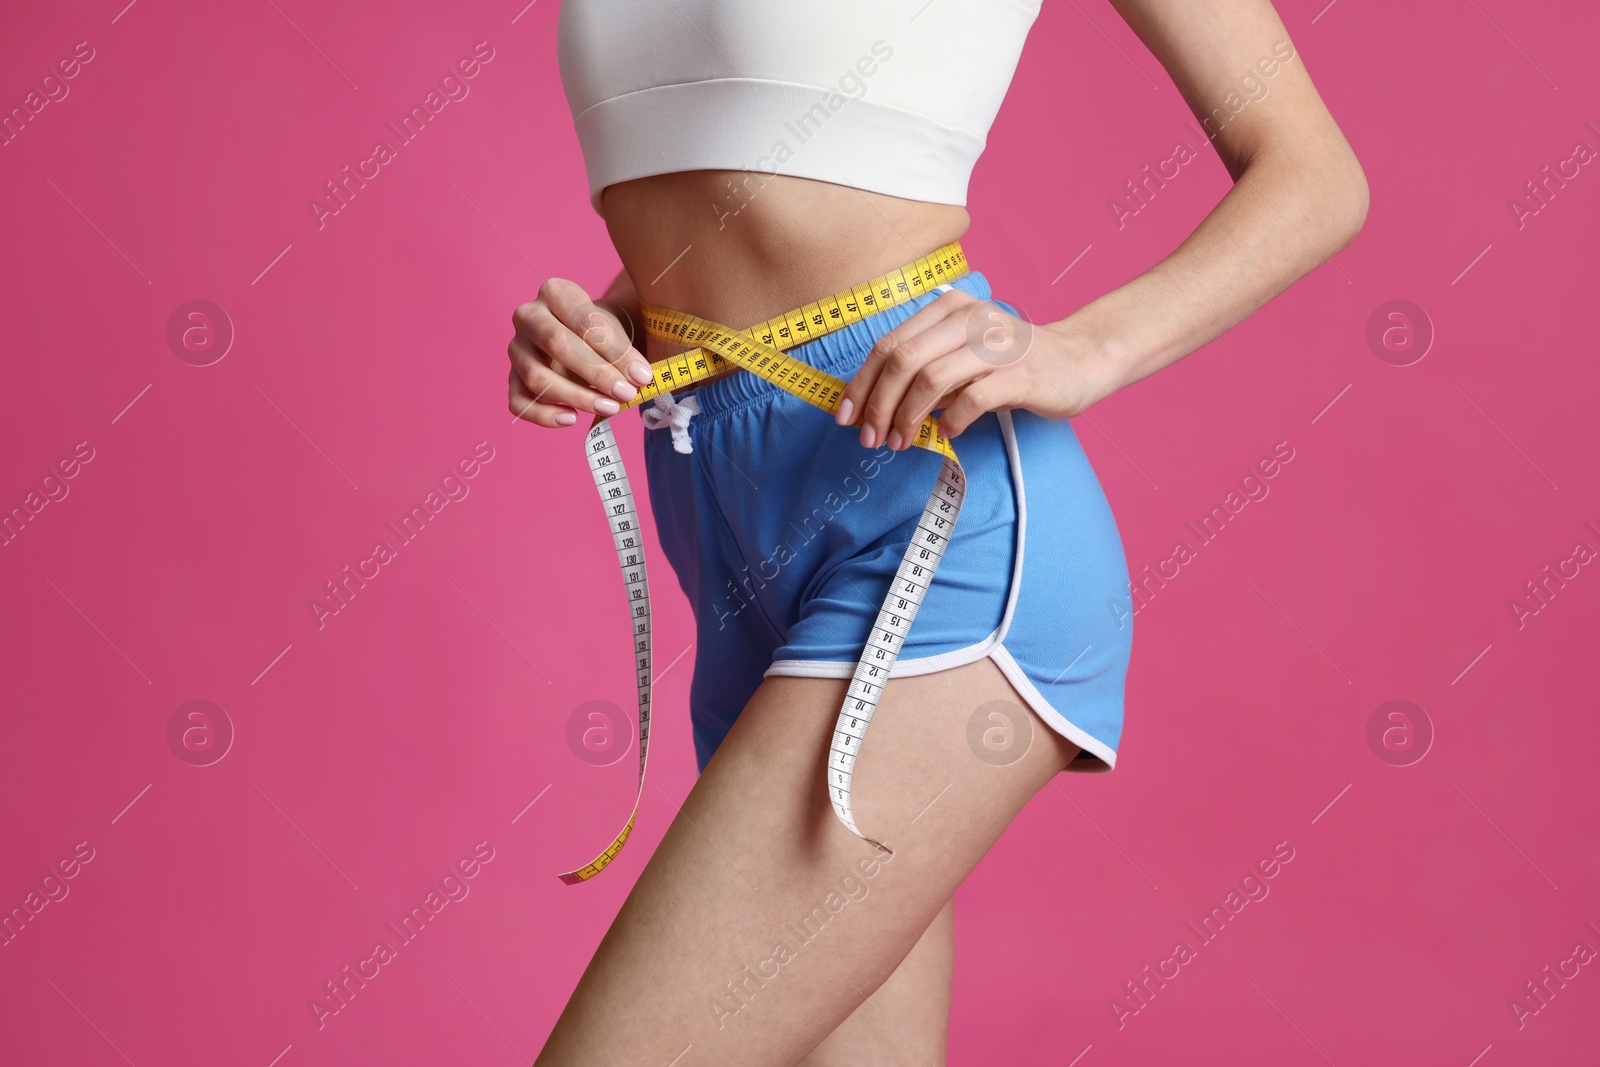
(893, 96)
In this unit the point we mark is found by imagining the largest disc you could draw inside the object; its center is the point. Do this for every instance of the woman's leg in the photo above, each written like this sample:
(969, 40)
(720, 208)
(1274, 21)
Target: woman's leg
(761, 923)
(907, 1021)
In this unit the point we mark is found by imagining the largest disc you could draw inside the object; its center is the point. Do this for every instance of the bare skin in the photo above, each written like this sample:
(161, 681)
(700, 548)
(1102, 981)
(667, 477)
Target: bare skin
(762, 230)
(756, 844)
(732, 878)
(908, 1018)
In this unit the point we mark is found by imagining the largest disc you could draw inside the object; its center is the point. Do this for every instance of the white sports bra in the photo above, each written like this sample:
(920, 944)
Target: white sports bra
(893, 96)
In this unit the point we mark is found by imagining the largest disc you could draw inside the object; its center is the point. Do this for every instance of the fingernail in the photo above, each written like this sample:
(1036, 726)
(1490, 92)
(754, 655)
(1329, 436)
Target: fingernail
(624, 391)
(565, 418)
(895, 440)
(846, 408)
(869, 437)
(606, 406)
(640, 372)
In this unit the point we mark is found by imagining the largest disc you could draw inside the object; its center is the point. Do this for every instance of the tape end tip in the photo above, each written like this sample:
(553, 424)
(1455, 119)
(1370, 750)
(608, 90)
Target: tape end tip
(569, 879)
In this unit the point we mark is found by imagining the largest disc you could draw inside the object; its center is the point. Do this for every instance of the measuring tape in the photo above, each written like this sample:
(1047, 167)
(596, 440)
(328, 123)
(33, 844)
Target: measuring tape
(760, 350)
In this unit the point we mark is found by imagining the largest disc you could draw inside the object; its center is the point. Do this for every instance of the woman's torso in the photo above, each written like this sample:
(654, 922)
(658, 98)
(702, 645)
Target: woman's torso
(750, 157)
(739, 248)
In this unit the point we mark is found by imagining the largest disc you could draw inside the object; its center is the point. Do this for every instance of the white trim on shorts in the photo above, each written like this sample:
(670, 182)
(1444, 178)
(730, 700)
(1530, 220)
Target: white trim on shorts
(992, 646)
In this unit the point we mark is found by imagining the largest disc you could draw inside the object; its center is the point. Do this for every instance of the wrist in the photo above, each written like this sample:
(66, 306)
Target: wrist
(1095, 363)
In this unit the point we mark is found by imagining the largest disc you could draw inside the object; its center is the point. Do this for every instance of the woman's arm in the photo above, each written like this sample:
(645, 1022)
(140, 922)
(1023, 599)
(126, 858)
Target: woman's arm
(1299, 196)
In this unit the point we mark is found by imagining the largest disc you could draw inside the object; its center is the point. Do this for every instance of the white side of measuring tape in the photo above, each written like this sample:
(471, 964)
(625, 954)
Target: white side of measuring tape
(611, 479)
(911, 581)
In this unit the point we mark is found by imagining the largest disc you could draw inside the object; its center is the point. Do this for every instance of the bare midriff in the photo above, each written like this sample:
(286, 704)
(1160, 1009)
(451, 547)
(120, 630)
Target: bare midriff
(739, 247)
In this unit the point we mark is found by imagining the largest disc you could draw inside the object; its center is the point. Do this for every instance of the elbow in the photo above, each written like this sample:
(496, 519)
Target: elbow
(1346, 197)
(1326, 187)
(1354, 198)
(1335, 198)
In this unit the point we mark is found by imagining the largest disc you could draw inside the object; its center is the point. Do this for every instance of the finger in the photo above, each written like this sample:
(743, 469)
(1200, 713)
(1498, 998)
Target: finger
(548, 385)
(600, 326)
(898, 369)
(936, 381)
(538, 324)
(596, 326)
(853, 400)
(990, 392)
(526, 405)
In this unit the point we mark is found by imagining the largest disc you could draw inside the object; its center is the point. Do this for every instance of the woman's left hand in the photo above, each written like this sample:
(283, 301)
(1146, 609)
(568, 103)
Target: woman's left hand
(967, 356)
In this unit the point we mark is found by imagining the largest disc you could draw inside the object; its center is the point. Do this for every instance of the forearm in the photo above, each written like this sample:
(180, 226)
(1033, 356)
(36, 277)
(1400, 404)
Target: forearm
(1284, 216)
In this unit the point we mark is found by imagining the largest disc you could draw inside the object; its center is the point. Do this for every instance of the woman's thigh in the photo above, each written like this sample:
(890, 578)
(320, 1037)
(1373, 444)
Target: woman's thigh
(761, 923)
(906, 1023)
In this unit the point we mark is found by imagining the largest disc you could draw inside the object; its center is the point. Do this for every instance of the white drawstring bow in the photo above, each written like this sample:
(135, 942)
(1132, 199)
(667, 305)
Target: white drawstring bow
(676, 415)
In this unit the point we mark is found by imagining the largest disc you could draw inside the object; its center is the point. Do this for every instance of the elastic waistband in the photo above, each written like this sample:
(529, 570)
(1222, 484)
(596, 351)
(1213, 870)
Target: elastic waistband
(842, 350)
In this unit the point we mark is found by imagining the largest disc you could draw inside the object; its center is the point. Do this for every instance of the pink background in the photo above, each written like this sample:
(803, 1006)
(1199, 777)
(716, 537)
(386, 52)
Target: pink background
(374, 753)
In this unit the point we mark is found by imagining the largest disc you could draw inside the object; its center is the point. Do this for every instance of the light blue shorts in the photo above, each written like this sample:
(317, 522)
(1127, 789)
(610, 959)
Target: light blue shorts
(785, 534)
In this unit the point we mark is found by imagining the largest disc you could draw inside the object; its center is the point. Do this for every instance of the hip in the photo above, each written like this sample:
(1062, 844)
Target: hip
(773, 492)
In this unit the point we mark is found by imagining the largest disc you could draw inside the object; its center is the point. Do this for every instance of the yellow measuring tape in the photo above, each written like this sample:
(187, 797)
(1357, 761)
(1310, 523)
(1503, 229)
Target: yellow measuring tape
(760, 350)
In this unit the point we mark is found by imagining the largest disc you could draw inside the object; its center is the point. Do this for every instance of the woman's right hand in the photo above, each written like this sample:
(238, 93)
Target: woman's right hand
(571, 354)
